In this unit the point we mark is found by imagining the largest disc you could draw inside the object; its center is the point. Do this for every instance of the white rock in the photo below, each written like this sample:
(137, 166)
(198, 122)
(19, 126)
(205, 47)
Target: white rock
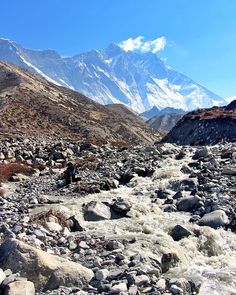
(53, 226)
(95, 211)
(161, 284)
(20, 288)
(83, 245)
(231, 170)
(2, 276)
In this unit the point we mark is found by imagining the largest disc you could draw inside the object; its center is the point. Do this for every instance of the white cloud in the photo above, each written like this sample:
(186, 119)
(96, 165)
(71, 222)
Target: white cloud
(137, 44)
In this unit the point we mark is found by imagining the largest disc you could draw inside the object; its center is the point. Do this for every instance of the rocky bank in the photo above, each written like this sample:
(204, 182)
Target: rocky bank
(151, 219)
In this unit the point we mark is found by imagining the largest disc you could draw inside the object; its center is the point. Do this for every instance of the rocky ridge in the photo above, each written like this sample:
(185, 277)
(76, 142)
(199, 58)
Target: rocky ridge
(150, 234)
(205, 127)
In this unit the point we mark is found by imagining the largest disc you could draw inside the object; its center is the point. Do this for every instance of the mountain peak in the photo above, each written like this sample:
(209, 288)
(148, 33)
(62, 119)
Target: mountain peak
(113, 75)
(113, 49)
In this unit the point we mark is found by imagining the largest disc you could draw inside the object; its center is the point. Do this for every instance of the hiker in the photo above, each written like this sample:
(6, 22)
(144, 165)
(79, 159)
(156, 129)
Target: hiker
(70, 173)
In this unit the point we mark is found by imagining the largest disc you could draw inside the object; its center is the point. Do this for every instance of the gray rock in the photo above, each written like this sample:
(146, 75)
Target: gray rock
(188, 184)
(214, 219)
(202, 153)
(113, 245)
(175, 290)
(184, 285)
(102, 274)
(168, 260)
(76, 224)
(17, 228)
(39, 234)
(230, 170)
(188, 203)
(121, 206)
(142, 280)
(95, 211)
(169, 208)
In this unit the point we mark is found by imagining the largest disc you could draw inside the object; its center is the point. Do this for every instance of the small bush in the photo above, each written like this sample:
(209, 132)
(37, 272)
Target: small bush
(2, 192)
(82, 188)
(9, 169)
(89, 163)
(42, 217)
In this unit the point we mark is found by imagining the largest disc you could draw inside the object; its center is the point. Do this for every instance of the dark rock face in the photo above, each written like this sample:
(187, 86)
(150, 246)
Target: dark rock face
(231, 106)
(205, 127)
(179, 232)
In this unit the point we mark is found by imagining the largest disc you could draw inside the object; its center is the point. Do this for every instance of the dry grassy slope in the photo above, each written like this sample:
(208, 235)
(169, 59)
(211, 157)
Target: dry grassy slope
(31, 105)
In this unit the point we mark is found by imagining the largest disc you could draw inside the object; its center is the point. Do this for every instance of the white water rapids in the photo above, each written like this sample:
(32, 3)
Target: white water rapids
(208, 259)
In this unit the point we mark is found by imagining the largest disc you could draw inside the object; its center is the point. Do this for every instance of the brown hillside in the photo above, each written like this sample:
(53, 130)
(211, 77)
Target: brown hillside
(32, 106)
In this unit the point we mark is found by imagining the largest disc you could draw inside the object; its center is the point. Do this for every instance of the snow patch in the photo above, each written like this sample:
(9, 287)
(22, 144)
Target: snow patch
(38, 71)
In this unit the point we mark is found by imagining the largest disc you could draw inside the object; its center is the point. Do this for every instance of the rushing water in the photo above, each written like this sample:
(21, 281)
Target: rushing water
(208, 258)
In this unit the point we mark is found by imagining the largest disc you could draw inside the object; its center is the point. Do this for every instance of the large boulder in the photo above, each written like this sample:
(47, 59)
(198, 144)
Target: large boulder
(188, 203)
(214, 219)
(20, 288)
(45, 270)
(95, 211)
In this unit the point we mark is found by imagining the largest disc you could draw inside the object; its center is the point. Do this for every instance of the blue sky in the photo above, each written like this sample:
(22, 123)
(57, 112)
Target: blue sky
(200, 34)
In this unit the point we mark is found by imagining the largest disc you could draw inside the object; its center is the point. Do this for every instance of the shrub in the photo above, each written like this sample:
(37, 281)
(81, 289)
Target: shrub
(89, 163)
(7, 170)
(42, 217)
(2, 192)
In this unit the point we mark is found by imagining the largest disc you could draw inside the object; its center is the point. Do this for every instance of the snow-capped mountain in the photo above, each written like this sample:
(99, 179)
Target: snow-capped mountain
(137, 80)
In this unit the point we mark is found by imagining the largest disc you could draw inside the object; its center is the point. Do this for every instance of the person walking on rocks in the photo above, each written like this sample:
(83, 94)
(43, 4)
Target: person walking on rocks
(70, 174)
